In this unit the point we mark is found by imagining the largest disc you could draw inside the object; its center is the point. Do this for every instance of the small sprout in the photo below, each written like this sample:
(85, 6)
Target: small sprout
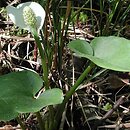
(28, 15)
(107, 107)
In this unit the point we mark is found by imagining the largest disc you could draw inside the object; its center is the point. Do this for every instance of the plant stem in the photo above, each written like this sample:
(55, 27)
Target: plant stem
(21, 123)
(92, 20)
(45, 77)
(61, 34)
(101, 16)
(70, 93)
(43, 59)
(78, 82)
(39, 118)
(68, 11)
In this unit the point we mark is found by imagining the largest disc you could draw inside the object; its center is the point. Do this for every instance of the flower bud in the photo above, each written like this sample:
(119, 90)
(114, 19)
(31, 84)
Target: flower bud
(29, 17)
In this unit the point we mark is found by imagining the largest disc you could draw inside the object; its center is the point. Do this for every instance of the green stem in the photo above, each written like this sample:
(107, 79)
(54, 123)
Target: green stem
(51, 117)
(21, 123)
(43, 59)
(115, 6)
(92, 20)
(68, 10)
(78, 82)
(70, 93)
(39, 118)
(45, 75)
(101, 16)
(61, 33)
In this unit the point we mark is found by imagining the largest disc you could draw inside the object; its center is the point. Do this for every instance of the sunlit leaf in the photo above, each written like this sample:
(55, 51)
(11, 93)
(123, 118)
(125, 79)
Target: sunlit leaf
(108, 52)
(18, 91)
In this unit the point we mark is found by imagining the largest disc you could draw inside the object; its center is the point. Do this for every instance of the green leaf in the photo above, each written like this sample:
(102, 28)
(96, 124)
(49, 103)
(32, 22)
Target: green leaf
(81, 47)
(17, 94)
(109, 52)
(107, 106)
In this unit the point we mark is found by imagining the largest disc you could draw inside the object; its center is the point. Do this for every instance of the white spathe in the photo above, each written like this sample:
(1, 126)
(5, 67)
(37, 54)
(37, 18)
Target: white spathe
(16, 14)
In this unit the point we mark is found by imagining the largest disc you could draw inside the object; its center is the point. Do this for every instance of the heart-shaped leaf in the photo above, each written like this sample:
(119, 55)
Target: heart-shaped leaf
(108, 52)
(17, 94)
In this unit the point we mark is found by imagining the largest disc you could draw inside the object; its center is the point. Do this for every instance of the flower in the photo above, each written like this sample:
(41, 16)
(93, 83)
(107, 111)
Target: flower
(27, 15)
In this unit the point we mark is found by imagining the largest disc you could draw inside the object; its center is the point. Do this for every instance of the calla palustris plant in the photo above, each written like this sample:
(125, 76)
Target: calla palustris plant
(18, 89)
